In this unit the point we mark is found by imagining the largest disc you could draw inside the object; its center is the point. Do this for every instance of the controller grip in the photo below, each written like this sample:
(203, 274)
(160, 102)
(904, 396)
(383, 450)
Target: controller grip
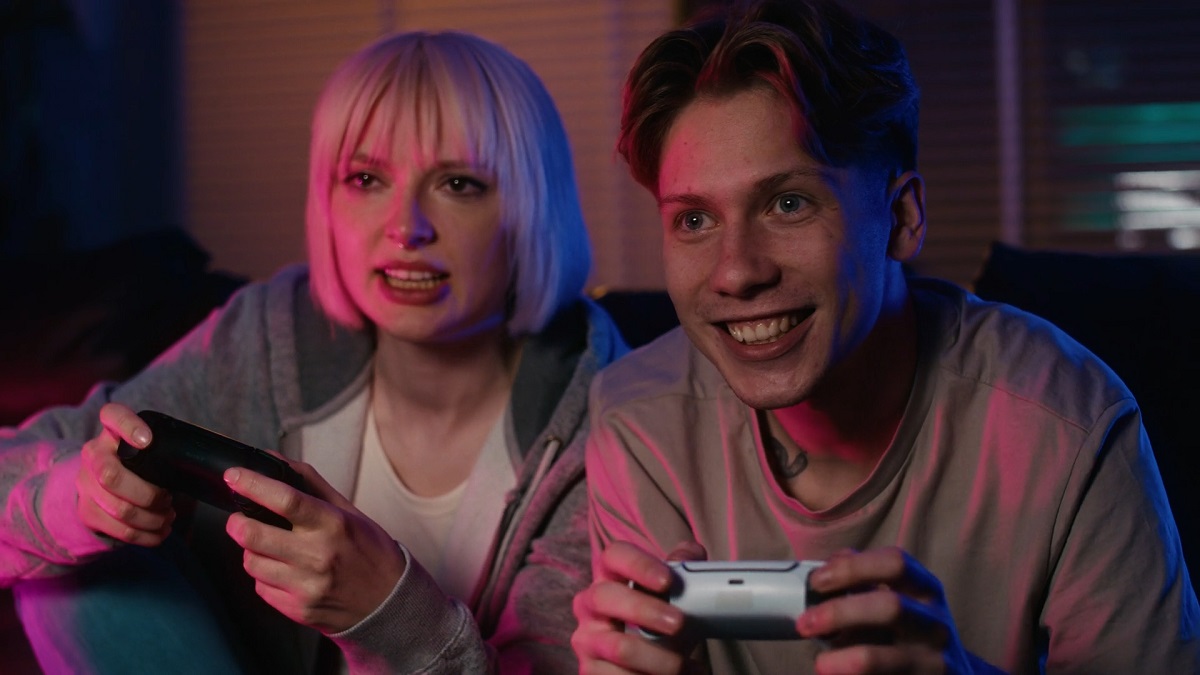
(738, 599)
(183, 457)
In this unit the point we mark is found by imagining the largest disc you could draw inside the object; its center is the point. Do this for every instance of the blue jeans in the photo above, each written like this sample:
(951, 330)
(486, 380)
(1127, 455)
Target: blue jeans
(131, 611)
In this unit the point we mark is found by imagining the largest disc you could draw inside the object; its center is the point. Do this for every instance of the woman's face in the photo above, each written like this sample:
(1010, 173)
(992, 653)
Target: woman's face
(418, 241)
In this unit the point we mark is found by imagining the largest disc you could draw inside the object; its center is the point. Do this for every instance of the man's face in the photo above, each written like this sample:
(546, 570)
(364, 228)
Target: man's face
(776, 264)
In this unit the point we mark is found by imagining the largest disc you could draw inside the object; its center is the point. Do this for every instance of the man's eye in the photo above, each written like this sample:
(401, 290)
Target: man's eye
(789, 203)
(693, 221)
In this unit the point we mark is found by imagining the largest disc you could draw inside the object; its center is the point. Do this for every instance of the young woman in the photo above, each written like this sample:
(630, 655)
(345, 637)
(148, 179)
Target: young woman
(426, 373)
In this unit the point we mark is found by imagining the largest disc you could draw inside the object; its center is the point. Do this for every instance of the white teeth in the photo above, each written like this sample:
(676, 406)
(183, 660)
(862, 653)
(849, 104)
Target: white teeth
(411, 280)
(409, 275)
(762, 331)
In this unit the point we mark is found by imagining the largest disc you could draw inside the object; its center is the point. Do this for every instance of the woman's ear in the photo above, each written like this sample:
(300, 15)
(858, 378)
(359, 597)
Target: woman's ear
(908, 216)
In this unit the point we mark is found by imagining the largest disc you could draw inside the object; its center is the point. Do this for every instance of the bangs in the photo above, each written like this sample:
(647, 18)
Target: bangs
(418, 98)
(425, 103)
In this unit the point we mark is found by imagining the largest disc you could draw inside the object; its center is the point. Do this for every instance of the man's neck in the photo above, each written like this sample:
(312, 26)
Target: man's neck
(848, 424)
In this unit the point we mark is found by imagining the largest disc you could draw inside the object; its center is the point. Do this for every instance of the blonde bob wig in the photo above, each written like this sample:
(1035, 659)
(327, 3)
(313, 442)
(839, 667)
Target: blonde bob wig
(457, 88)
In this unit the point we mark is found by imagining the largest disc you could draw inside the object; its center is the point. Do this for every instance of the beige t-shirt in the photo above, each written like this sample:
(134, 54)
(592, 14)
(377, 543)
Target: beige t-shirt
(1020, 476)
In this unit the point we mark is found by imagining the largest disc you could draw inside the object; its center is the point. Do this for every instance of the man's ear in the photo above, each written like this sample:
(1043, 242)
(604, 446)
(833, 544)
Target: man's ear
(908, 216)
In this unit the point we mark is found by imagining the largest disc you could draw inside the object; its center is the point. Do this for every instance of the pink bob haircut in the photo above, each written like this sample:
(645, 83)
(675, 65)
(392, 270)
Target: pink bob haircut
(459, 88)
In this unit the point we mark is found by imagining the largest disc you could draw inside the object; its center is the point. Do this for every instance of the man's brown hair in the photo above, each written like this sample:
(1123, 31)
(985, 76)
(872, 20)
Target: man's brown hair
(848, 81)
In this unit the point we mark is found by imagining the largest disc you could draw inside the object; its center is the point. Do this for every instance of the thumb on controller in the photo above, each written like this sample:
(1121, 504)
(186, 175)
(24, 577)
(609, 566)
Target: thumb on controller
(688, 551)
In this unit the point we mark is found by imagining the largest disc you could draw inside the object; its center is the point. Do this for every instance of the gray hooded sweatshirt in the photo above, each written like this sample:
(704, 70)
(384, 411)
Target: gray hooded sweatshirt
(270, 370)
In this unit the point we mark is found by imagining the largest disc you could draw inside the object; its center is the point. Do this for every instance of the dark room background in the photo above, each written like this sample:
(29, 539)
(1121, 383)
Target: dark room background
(1068, 124)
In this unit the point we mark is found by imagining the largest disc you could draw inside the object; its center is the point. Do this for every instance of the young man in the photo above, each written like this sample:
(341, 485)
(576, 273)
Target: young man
(979, 485)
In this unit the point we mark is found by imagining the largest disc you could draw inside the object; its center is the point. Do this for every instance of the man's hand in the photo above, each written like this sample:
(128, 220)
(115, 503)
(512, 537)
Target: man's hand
(112, 499)
(892, 618)
(603, 609)
(332, 569)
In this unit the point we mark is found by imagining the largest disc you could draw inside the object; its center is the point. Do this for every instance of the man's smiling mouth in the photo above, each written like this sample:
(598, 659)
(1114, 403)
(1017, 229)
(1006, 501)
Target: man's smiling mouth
(764, 331)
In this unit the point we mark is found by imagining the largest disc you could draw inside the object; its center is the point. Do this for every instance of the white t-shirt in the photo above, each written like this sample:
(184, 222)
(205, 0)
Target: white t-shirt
(449, 534)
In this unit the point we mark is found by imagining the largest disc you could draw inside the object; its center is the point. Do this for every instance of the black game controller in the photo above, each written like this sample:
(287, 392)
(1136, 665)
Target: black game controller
(185, 458)
(740, 600)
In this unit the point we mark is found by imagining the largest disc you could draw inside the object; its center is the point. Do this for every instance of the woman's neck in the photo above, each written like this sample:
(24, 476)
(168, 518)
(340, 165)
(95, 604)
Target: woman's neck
(444, 378)
(435, 404)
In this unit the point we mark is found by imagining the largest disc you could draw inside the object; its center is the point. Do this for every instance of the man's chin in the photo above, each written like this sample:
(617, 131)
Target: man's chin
(767, 402)
(762, 395)
(763, 385)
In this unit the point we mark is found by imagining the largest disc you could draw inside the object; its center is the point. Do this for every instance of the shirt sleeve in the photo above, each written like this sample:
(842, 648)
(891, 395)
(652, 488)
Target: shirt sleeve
(419, 629)
(40, 534)
(416, 629)
(1119, 599)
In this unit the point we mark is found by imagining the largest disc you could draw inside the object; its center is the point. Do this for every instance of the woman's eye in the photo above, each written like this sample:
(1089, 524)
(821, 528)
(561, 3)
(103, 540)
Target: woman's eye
(789, 203)
(465, 185)
(361, 180)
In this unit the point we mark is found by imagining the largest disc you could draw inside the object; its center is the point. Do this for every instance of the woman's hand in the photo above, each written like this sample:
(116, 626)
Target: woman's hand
(332, 569)
(112, 499)
(603, 609)
(890, 617)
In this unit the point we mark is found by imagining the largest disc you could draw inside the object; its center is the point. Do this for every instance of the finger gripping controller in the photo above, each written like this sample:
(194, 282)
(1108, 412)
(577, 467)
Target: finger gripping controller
(183, 457)
(741, 600)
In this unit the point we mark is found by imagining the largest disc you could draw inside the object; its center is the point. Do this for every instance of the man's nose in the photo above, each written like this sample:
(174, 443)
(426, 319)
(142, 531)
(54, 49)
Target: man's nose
(745, 263)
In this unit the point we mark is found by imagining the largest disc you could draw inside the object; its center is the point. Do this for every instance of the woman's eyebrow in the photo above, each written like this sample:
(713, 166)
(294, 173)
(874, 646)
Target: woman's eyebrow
(363, 157)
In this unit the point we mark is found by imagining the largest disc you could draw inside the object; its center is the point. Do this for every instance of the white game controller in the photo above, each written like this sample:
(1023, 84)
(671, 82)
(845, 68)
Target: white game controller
(741, 599)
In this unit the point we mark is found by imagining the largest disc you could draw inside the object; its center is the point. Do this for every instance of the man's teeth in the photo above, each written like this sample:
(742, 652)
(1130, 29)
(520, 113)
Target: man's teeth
(764, 331)
(410, 280)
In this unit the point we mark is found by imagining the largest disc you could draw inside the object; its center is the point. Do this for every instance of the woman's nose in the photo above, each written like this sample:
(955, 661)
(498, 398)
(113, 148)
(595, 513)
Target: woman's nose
(411, 232)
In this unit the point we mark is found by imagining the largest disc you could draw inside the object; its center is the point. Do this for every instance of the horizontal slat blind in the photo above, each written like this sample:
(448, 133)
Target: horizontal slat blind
(951, 48)
(253, 69)
(1113, 124)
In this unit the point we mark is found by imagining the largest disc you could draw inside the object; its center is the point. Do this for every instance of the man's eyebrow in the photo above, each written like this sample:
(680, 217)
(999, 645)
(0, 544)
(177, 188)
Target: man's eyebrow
(765, 184)
(686, 199)
(773, 181)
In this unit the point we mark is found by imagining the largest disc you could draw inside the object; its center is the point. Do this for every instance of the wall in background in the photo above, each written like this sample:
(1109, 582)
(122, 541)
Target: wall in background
(1112, 124)
(951, 47)
(89, 123)
(1046, 123)
(253, 69)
